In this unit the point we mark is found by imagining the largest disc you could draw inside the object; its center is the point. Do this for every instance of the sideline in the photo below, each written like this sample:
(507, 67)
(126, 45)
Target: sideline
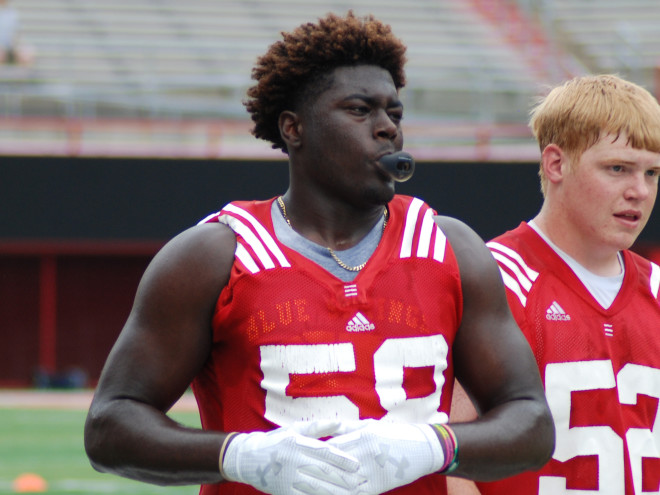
(68, 399)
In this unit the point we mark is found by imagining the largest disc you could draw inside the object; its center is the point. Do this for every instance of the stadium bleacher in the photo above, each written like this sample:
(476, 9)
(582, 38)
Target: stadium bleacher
(126, 50)
(469, 64)
(610, 35)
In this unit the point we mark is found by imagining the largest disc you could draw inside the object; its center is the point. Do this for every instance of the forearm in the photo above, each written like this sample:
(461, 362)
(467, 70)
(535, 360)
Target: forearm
(509, 439)
(136, 441)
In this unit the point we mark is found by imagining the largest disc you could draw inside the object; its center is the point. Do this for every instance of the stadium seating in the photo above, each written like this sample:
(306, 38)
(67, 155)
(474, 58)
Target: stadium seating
(129, 57)
(610, 35)
(471, 62)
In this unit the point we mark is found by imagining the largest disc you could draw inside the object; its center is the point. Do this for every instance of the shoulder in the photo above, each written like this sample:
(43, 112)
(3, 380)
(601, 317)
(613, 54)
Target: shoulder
(468, 247)
(526, 264)
(523, 241)
(203, 253)
(202, 241)
(477, 267)
(523, 254)
(648, 272)
(640, 262)
(456, 229)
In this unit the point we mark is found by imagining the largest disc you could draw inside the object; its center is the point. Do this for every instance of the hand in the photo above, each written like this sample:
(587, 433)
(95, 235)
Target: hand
(292, 460)
(390, 454)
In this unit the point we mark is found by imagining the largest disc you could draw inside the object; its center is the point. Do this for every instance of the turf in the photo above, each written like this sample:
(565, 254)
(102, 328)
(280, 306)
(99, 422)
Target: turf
(50, 443)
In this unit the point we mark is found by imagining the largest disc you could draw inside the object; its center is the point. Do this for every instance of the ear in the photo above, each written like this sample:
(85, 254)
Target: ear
(290, 129)
(554, 162)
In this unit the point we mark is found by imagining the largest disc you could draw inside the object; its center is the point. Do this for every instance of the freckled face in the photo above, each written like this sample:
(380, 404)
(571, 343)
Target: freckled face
(611, 193)
(346, 130)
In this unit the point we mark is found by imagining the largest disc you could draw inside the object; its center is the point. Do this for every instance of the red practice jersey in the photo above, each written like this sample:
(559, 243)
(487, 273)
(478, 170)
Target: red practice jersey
(600, 368)
(293, 342)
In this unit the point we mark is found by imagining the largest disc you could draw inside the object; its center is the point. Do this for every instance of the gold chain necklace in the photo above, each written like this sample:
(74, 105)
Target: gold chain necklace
(356, 268)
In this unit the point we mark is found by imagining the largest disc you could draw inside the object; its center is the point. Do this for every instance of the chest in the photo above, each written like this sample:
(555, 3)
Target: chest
(380, 348)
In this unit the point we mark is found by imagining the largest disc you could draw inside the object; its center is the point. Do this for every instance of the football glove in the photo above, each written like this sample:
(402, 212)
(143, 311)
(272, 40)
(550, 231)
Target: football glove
(291, 460)
(390, 454)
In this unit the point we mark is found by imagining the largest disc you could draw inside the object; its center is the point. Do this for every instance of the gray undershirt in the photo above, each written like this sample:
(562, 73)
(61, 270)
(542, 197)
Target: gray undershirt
(320, 255)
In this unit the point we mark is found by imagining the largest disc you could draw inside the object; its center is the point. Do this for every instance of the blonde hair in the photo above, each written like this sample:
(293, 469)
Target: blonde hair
(575, 114)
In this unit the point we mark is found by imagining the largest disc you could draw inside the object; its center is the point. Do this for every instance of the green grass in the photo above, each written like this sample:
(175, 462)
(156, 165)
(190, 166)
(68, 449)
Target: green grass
(50, 443)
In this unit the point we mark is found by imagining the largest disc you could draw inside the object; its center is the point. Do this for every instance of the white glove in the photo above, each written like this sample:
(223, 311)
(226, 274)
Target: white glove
(292, 460)
(390, 454)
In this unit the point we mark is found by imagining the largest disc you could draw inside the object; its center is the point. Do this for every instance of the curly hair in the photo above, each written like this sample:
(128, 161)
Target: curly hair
(296, 68)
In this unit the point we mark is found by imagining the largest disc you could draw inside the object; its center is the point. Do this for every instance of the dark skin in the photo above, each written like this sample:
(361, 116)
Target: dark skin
(337, 189)
(337, 193)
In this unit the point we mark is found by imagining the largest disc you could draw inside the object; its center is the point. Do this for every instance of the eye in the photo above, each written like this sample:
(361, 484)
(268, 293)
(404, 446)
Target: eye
(617, 168)
(359, 109)
(652, 172)
(396, 116)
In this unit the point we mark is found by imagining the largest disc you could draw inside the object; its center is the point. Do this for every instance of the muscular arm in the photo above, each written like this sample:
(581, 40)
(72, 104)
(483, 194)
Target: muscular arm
(163, 344)
(495, 365)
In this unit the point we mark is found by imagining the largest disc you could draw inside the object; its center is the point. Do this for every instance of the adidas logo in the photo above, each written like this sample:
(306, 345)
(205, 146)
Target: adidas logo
(556, 313)
(359, 323)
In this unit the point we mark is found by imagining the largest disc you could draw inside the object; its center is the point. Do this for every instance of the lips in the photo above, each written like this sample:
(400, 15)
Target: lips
(630, 217)
(379, 164)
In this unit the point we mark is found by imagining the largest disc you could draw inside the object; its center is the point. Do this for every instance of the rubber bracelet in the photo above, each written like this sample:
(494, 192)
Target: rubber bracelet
(449, 446)
(223, 448)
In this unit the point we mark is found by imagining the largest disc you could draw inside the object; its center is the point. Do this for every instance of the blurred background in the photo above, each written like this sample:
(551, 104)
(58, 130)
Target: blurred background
(121, 124)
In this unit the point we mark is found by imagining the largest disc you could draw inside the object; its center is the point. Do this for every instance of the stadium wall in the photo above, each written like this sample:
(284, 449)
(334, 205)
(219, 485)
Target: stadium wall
(77, 233)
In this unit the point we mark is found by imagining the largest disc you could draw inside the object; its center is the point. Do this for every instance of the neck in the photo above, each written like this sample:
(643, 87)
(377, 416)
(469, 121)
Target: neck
(337, 226)
(598, 259)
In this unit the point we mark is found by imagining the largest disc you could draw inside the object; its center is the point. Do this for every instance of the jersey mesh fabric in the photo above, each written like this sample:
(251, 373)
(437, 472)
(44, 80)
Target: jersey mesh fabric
(293, 342)
(600, 367)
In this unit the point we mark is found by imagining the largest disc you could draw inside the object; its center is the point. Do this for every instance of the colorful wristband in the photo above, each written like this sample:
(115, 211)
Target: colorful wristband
(223, 449)
(449, 447)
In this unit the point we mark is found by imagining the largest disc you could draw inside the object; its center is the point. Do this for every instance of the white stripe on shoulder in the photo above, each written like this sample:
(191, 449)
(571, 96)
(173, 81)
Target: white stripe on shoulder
(244, 257)
(517, 276)
(423, 229)
(424, 244)
(425, 236)
(531, 274)
(409, 227)
(255, 243)
(503, 260)
(440, 244)
(208, 218)
(655, 279)
(514, 287)
(262, 232)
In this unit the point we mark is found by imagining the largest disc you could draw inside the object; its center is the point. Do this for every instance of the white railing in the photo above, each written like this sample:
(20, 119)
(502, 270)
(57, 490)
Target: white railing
(228, 139)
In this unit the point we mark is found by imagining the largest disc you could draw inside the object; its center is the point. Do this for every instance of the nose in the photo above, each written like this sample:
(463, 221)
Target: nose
(641, 187)
(385, 127)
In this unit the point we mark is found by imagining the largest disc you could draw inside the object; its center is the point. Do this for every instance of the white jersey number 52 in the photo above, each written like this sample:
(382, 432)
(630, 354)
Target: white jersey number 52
(563, 378)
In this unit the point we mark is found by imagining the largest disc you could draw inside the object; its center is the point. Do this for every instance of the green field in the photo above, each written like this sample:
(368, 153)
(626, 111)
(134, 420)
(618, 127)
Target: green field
(50, 443)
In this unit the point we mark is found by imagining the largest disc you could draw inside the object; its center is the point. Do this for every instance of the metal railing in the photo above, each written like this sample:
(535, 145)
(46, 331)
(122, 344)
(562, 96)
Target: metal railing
(231, 139)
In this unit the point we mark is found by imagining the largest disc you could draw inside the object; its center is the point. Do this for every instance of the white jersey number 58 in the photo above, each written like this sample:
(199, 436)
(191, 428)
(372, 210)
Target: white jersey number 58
(278, 362)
